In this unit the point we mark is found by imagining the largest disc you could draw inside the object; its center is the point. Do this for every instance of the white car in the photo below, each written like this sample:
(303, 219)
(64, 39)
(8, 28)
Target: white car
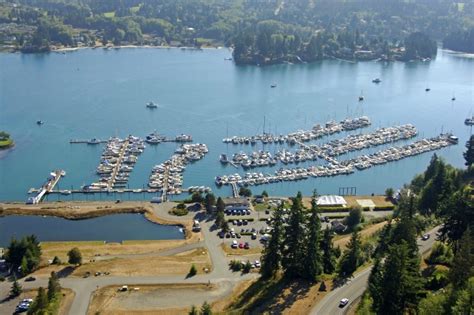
(343, 302)
(257, 264)
(234, 244)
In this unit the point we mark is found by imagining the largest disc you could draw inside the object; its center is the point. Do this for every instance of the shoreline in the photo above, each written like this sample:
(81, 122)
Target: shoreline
(83, 210)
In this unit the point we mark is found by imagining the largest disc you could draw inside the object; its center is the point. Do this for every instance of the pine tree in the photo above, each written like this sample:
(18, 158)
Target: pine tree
(313, 258)
(16, 288)
(352, 257)
(469, 154)
(193, 311)
(294, 251)
(272, 254)
(463, 261)
(24, 266)
(329, 257)
(402, 282)
(53, 286)
(375, 283)
(206, 309)
(40, 303)
(383, 240)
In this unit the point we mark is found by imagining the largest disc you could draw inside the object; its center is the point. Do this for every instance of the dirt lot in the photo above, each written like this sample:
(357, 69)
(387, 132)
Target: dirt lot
(149, 265)
(151, 299)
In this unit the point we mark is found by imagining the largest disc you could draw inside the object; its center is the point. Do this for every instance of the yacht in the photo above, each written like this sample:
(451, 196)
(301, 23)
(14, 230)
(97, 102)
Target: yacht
(151, 105)
(93, 141)
(376, 80)
(39, 122)
(469, 121)
(273, 85)
(223, 158)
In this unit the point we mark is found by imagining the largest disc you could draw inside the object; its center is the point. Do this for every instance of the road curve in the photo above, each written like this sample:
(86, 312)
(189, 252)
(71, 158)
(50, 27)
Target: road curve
(356, 286)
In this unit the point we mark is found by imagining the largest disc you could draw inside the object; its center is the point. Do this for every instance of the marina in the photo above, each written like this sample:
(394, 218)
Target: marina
(168, 176)
(318, 131)
(47, 187)
(334, 168)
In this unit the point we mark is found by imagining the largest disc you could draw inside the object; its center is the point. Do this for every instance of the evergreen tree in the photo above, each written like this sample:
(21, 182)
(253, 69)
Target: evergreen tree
(40, 303)
(463, 261)
(53, 286)
(457, 215)
(383, 240)
(352, 257)
(329, 257)
(313, 258)
(209, 202)
(24, 266)
(294, 236)
(206, 309)
(402, 282)
(469, 154)
(193, 311)
(16, 288)
(375, 284)
(220, 217)
(272, 253)
(220, 205)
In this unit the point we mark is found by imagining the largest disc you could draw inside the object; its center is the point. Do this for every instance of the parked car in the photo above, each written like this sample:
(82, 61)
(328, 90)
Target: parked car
(425, 237)
(234, 244)
(343, 302)
(241, 245)
(257, 264)
(238, 235)
(29, 279)
(247, 245)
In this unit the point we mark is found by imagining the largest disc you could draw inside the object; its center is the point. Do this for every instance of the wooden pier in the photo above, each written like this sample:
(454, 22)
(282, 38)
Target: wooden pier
(235, 191)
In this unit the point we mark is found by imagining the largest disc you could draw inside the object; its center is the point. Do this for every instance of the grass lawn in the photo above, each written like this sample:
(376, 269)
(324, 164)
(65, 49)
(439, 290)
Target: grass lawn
(109, 14)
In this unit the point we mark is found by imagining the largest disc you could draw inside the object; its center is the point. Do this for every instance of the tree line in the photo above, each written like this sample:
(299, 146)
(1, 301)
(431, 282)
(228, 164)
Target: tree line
(260, 31)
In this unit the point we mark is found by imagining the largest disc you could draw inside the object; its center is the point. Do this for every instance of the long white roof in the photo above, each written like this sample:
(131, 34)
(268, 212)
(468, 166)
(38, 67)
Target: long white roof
(331, 200)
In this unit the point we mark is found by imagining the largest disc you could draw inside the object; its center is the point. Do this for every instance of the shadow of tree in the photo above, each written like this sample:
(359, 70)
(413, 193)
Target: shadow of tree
(275, 295)
(65, 272)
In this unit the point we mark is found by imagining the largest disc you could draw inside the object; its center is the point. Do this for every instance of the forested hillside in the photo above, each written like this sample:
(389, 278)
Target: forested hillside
(261, 31)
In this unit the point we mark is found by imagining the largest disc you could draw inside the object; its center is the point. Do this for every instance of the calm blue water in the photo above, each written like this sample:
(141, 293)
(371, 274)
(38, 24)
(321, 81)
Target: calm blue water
(112, 228)
(97, 93)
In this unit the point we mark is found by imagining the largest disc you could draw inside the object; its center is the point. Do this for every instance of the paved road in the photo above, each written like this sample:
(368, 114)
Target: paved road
(220, 275)
(357, 285)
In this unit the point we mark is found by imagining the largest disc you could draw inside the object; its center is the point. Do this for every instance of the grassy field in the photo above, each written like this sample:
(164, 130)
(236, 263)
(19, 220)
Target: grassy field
(109, 14)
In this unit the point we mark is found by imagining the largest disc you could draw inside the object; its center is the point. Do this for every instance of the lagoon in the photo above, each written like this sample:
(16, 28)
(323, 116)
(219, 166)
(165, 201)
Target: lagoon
(111, 228)
(96, 93)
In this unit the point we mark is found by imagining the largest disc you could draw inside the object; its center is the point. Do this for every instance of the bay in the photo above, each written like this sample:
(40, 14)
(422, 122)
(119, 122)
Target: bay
(101, 93)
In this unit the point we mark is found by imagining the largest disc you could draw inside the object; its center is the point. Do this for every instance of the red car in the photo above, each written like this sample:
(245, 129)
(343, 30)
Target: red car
(241, 245)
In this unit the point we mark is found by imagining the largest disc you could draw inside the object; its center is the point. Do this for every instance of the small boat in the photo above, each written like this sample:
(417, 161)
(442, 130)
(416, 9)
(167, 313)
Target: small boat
(427, 89)
(223, 158)
(151, 105)
(228, 58)
(93, 141)
(361, 96)
(469, 121)
(376, 80)
(453, 98)
(39, 122)
(273, 85)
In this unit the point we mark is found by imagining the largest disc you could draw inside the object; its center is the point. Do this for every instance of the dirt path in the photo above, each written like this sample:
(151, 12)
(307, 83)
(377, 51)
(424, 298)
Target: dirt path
(342, 242)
